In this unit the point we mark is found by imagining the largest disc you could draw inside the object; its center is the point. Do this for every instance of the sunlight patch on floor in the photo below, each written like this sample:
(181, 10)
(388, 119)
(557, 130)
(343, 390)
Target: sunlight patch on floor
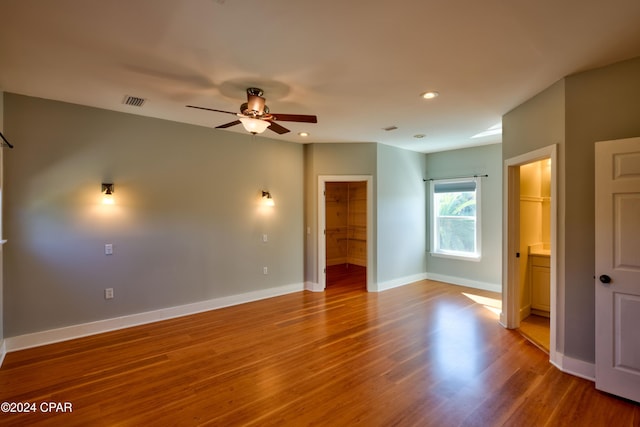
(492, 304)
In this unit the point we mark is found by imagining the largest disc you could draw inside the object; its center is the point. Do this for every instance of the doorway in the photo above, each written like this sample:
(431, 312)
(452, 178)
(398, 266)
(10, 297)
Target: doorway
(345, 231)
(529, 255)
(534, 285)
(346, 234)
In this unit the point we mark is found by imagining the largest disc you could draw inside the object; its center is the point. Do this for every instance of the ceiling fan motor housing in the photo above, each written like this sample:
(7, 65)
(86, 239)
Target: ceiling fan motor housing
(254, 106)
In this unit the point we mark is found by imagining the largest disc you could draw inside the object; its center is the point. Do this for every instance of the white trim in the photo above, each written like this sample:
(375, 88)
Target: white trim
(464, 256)
(322, 243)
(313, 287)
(461, 281)
(401, 281)
(3, 351)
(532, 156)
(82, 330)
(510, 245)
(575, 367)
(473, 258)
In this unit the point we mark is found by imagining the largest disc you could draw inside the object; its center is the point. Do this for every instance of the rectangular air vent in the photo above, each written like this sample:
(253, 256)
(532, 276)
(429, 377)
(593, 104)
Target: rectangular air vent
(390, 128)
(134, 101)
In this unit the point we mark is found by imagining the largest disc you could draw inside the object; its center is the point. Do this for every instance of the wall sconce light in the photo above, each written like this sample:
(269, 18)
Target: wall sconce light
(267, 199)
(107, 193)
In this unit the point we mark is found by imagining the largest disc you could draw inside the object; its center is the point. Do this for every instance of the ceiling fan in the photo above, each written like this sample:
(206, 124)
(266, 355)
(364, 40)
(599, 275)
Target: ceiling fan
(256, 117)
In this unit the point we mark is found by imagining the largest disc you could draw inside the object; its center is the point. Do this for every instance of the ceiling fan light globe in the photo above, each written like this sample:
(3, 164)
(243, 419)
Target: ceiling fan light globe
(254, 125)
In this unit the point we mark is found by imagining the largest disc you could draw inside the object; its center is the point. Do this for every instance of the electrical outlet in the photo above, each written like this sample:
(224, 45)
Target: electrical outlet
(265, 238)
(265, 270)
(108, 293)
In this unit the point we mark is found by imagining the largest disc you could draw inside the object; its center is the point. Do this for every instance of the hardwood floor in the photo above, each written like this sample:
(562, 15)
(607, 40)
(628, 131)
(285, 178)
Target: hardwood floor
(536, 329)
(351, 275)
(424, 354)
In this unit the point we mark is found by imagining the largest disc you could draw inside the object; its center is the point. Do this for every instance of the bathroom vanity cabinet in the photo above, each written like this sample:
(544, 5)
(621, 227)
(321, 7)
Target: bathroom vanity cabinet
(540, 279)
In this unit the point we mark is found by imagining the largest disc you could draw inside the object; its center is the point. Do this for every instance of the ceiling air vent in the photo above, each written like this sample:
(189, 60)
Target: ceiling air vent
(390, 128)
(134, 101)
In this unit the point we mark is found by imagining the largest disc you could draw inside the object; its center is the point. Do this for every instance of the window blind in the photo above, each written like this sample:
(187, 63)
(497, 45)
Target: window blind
(454, 186)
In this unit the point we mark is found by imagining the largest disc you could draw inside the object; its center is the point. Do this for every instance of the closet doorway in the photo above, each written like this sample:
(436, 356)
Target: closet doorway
(535, 252)
(345, 232)
(530, 252)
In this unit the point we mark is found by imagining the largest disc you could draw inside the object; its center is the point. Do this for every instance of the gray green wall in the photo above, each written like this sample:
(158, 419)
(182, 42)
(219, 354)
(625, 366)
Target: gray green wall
(584, 108)
(486, 272)
(332, 159)
(401, 213)
(398, 206)
(186, 226)
(538, 123)
(601, 104)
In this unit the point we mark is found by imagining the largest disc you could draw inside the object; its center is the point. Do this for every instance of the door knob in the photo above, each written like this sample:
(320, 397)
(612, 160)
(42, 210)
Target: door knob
(605, 279)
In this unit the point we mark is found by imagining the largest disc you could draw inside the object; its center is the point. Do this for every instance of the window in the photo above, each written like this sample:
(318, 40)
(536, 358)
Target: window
(455, 213)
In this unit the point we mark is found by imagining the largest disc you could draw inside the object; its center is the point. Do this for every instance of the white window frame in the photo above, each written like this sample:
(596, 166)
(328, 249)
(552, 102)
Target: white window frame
(435, 250)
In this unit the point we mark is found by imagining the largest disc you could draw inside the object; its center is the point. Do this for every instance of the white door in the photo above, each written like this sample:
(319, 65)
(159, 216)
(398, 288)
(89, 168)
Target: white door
(617, 270)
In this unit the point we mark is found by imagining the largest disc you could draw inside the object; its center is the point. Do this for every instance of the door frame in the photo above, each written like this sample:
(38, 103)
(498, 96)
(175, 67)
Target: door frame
(322, 224)
(510, 316)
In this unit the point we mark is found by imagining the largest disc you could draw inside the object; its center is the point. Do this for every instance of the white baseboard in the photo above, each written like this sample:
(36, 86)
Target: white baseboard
(503, 320)
(82, 330)
(576, 367)
(461, 281)
(313, 287)
(401, 281)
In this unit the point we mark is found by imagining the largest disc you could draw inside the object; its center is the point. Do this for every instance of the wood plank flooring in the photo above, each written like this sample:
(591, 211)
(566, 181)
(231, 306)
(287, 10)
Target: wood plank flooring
(419, 355)
(536, 329)
(351, 275)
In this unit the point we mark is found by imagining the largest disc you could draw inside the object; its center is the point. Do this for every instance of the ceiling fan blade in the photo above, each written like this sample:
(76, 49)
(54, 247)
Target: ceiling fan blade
(211, 109)
(228, 125)
(277, 128)
(295, 118)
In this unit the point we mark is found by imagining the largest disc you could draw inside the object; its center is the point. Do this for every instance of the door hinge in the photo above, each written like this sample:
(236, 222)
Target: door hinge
(517, 254)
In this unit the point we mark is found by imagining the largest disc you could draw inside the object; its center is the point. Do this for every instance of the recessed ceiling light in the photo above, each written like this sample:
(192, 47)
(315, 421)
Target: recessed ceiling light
(429, 95)
(420, 135)
(303, 134)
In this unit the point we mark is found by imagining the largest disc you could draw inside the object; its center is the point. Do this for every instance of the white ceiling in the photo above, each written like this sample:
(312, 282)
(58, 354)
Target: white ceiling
(359, 66)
